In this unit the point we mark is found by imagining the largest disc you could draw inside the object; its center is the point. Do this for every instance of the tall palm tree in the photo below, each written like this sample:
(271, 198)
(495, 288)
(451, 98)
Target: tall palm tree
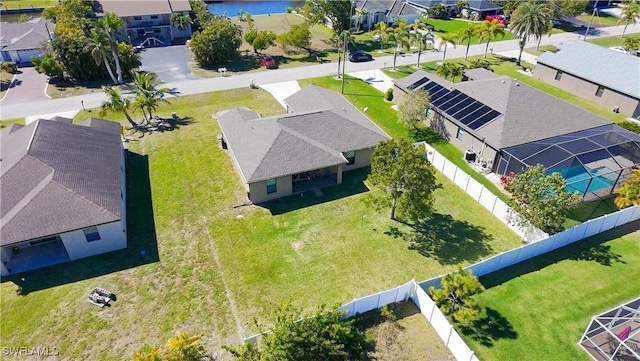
(629, 16)
(424, 39)
(631, 43)
(116, 103)
(467, 33)
(148, 94)
(490, 30)
(113, 26)
(416, 27)
(180, 21)
(99, 46)
(530, 19)
(360, 13)
(400, 38)
(452, 70)
(383, 30)
(549, 32)
(447, 38)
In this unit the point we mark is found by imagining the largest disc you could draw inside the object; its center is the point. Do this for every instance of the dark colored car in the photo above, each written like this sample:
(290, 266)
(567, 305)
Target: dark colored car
(268, 62)
(359, 56)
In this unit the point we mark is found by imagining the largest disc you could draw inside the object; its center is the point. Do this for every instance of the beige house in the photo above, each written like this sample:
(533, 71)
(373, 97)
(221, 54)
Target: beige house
(595, 73)
(148, 22)
(63, 193)
(321, 137)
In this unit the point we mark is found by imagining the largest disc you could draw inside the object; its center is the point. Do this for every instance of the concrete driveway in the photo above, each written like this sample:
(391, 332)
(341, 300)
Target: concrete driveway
(27, 86)
(168, 62)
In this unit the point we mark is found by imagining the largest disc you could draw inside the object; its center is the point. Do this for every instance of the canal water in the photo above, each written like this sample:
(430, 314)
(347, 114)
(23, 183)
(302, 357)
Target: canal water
(232, 8)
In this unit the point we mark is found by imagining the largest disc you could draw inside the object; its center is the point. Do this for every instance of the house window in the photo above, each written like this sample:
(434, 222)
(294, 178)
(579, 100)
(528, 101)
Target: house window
(137, 18)
(154, 16)
(91, 234)
(351, 157)
(600, 91)
(559, 74)
(460, 133)
(271, 186)
(429, 112)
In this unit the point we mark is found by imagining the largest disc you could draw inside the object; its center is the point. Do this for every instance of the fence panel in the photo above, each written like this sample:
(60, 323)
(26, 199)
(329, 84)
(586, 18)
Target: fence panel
(501, 210)
(438, 161)
(458, 347)
(474, 188)
(489, 265)
(487, 199)
(450, 170)
(510, 258)
(462, 179)
(544, 246)
(349, 308)
(610, 221)
(441, 325)
(593, 227)
(435, 282)
(627, 215)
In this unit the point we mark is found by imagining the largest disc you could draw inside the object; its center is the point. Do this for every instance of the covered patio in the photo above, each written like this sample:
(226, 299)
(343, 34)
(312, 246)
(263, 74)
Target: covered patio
(308, 183)
(26, 257)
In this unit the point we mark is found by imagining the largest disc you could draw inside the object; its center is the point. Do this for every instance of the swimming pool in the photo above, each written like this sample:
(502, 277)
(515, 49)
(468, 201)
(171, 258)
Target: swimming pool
(579, 178)
(231, 8)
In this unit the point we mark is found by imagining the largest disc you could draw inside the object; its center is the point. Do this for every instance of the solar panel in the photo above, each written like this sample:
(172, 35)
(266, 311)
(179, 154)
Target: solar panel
(484, 119)
(471, 107)
(463, 105)
(439, 94)
(477, 113)
(417, 84)
(431, 86)
(453, 98)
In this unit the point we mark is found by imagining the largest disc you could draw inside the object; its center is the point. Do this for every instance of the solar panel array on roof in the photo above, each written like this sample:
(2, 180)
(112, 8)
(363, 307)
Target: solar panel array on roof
(456, 104)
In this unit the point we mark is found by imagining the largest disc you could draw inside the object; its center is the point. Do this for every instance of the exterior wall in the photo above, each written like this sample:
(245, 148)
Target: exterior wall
(587, 90)
(363, 159)
(258, 190)
(123, 190)
(21, 56)
(113, 236)
(5, 256)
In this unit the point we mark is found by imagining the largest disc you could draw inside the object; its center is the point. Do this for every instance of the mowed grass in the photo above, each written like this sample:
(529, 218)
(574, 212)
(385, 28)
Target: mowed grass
(453, 26)
(308, 250)
(5, 81)
(611, 40)
(539, 309)
(16, 4)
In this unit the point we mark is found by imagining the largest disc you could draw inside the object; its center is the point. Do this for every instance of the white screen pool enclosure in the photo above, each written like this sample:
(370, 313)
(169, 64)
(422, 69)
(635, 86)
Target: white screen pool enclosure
(615, 334)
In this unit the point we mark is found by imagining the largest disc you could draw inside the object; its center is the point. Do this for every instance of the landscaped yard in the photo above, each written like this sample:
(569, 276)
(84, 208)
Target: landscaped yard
(539, 309)
(15, 4)
(201, 249)
(453, 26)
(600, 19)
(610, 41)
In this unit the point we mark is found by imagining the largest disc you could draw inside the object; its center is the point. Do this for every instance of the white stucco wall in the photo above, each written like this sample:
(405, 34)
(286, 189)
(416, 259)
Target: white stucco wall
(113, 236)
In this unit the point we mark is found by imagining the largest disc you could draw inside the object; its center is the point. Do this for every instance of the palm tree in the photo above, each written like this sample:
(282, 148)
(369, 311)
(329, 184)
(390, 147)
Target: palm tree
(382, 30)
(424, 39)
(629, 16)
(631, 43)
(360, 13)
(490, 30)
(147, 356)
(185, 347)
(447, 38)
(549, 32)
(145, 86)
(116, 103)
(400, 38)
(443, 70)
(180, 21)
(113, 26)
(530, 19)
(416, 27)
(99, 46)
(452, 70)
(466, 34)
(437, 10)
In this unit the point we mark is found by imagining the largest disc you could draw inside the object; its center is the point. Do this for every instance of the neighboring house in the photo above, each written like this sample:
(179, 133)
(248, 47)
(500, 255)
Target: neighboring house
(321, 137)
(63, 192)
(148, 22)
(372, 12)
(507, 126)
(22, 40)
(595, 73)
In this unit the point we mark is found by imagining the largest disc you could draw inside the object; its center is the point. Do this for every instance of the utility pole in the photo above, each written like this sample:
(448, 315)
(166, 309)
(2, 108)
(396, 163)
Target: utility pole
(595, 9)
(344, 56)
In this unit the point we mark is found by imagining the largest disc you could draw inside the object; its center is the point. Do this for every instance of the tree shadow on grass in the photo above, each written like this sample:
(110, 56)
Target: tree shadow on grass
(426, 134)
(490, 327)
(141, 236)
(448, 240)
(161, 125)
(352, 183)
(590, 249)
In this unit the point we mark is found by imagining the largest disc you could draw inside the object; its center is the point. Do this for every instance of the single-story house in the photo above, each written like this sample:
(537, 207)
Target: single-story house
(595, 73)
(321, 136)
(373, 11)
(63, 192)
(22, 40)
(507, 126)
(148, 24)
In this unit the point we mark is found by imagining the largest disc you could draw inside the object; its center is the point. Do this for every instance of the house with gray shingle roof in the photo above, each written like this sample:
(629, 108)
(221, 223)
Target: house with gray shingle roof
(508, 126)
(22, 40)
(595, 73)
(310, 147)
(63, 193)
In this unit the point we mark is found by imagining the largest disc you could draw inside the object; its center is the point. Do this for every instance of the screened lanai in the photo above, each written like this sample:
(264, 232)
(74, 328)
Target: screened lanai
(593, 161)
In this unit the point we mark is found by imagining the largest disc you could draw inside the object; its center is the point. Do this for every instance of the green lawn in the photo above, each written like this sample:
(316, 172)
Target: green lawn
(15, 4)
(201, 248)
(5, 81)
(601, 19)
(610, 41)
(539, 309)
(453, 26)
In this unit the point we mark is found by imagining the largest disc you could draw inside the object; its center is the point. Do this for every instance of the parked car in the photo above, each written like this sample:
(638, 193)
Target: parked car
(502, 19)
(359, 56)
(619, 49)
(268, 62)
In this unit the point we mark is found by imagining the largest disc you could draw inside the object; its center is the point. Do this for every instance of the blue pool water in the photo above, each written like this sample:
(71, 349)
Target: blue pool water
(231, 8)
(578, 179)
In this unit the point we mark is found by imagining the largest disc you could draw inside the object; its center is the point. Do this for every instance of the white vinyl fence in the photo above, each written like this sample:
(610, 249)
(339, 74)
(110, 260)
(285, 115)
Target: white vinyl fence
(481, 194)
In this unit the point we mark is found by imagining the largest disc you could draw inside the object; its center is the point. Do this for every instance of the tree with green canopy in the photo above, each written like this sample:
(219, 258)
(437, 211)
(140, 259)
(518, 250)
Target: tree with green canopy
(629, 193)
(530, 19)
(455, 295)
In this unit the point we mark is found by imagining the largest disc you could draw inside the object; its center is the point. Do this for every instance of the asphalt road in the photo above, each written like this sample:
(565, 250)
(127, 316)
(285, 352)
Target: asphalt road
(170, 63)
(198, 86)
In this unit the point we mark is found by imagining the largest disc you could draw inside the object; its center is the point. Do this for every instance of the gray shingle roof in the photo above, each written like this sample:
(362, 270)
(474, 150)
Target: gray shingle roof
(140, 7)
(375, 5)
(25, 35)
(266, 148)
(58, 177)
(404, 8)
(528, 114)
(597, 64)
(479, 74)
(482, 5)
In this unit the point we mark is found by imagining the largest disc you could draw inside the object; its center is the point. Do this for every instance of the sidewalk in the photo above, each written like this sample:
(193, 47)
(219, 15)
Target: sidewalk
(198, 86)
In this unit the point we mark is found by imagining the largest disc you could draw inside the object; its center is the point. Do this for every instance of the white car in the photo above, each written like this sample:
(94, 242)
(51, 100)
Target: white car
(618, 48)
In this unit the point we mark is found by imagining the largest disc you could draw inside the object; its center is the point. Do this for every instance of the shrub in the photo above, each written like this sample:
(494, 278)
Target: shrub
(48, 65)
(388, 96)
(9, 66)
(628, 125)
